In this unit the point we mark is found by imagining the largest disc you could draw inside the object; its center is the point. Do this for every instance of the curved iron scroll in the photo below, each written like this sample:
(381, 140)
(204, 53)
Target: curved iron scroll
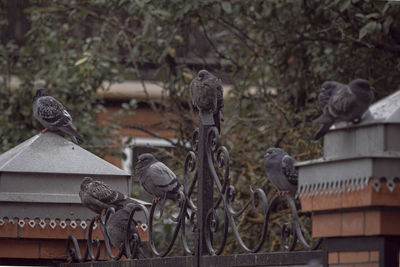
(208, 150)
(258, 198)
(130, 248)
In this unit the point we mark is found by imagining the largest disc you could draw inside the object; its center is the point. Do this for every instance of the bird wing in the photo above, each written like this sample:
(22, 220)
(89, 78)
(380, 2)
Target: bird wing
(161, 179)
(104, 193)
(53, 112)
(341, 102)
(290, 171)
(324, 97)
(163, 176)
(194, 91)
(328, 88)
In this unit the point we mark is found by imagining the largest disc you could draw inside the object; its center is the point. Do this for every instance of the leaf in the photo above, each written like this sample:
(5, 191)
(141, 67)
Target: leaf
(344, 4)
(81, 61)
(216, 9)
(374, 15)
(171, 51)
(227, 7)
(386, 7)
(187, 76)
(368, 28)
(386, 24)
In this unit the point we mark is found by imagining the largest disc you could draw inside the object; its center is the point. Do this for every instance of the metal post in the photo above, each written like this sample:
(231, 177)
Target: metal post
(205, 194)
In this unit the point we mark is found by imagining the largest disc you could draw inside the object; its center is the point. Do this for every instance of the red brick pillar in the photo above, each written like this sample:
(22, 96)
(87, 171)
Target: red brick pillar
(353, 191)
(23, 243)
(360, 227)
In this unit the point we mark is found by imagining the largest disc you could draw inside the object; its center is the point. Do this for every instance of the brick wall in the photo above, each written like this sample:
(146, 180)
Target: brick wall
(36, 243)
(360, 227)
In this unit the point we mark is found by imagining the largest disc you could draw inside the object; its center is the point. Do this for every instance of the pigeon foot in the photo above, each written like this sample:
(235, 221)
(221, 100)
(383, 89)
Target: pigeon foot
(156, 199)
(44, 130)
(282, 193)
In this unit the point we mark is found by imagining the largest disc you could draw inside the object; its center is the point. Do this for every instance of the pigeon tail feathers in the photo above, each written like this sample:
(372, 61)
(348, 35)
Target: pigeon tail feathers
(76, 138)
(323, 130)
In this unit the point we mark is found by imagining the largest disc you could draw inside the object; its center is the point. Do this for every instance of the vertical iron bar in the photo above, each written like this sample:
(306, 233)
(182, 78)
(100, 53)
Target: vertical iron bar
(389, 252)
(205, 194)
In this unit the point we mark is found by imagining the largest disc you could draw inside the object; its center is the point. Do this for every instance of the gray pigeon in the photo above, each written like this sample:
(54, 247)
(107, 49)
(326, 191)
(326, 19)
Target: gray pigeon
(327, 89)
(343, 103)
(156, 178)
(280, 170)
(207, 96)
(117, 226)
(52, 115)
(98, 196)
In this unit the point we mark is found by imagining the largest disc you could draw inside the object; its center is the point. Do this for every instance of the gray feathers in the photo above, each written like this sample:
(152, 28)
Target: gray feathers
(117, 226)
(280, 170)
(98, 196)
(52, 115)
(207, 96)
(156, 178)
(341, 102)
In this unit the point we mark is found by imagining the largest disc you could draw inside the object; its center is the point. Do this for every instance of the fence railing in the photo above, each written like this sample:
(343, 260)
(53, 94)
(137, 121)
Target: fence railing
(203, 217)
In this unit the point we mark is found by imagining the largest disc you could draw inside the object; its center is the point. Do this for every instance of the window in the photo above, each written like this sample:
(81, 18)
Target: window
(142, 145)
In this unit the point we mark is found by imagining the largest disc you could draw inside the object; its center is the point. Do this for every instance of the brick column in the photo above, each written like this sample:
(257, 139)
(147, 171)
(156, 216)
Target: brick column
(361, 227)
(37, 243)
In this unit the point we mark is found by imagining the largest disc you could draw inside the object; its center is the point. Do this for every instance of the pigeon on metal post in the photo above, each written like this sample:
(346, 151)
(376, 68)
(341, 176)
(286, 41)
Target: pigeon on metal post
(53, 115)
(98, 196)
(207, 96)
(117, 226)
(341, 102)
(156, 178)
(280, 170)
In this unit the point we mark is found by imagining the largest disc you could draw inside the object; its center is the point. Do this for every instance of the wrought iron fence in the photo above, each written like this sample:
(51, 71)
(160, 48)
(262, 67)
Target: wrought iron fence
(203, 218)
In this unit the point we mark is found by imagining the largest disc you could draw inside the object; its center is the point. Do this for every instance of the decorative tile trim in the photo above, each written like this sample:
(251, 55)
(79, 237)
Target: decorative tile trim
(349, 185)
(52, 223)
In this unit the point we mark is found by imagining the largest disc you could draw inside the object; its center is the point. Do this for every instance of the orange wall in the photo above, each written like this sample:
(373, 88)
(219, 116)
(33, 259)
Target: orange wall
(143, 117)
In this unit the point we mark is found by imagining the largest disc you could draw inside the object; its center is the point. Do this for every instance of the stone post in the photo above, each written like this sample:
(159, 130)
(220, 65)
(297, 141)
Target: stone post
(353, 191)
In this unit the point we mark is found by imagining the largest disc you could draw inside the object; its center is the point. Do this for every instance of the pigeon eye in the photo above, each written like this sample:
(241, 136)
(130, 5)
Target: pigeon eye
(202, 74)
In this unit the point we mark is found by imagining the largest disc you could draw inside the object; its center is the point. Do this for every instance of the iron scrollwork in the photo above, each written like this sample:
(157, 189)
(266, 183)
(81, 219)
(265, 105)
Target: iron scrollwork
(188, 214)
(220, 155)
(130, 248)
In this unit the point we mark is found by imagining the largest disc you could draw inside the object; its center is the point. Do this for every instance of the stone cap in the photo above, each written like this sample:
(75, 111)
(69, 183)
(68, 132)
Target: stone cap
(326, 176)
(51, 153)
(386, 110)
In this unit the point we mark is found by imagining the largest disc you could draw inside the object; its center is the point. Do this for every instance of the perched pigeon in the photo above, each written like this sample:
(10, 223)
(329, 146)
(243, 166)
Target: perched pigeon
(280, 170)
(343, 103)
(117, 226)
(327, 89)
(156, 178)
(207, 96)
(98, 196)
(52, 115)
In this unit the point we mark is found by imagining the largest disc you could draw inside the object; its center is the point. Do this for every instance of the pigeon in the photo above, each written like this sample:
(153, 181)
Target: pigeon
(342, 102)
(207, 96)
(280, 170)
(98, 196)
(53, 115)
(326, 91)
(156, 178)
(117, 226)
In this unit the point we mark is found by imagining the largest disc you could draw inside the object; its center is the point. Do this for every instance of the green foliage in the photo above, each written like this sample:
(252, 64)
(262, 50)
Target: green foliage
(275, 54)
(50, 59)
